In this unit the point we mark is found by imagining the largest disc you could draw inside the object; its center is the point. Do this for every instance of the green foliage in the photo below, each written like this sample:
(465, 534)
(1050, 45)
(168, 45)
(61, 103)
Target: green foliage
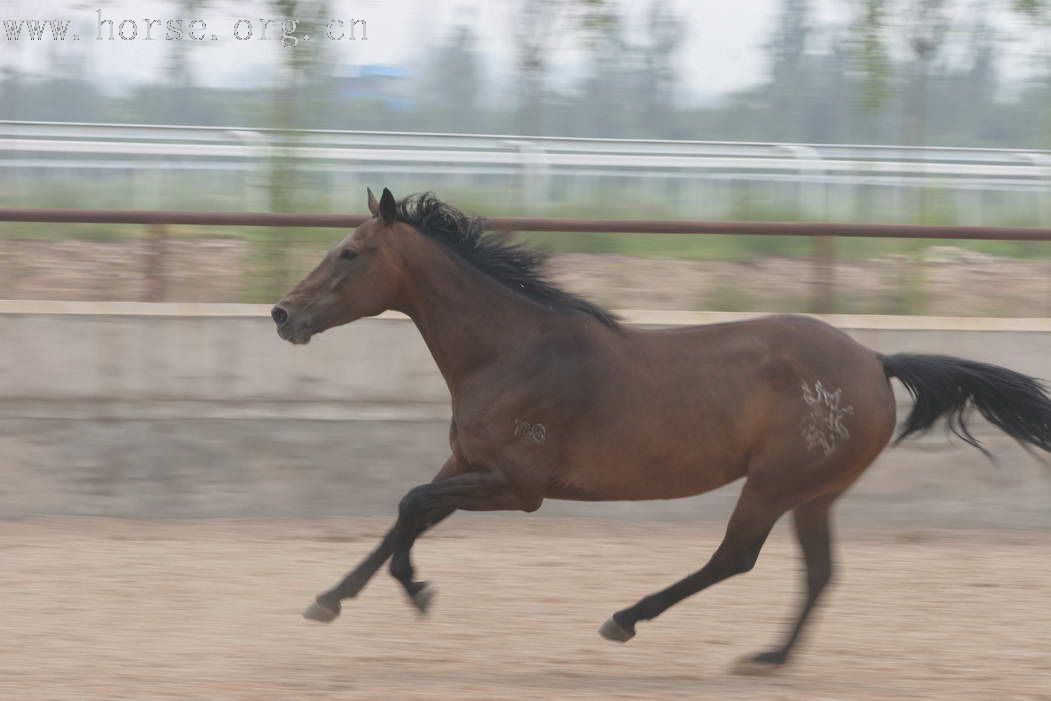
(872, 56)
(1032, 8)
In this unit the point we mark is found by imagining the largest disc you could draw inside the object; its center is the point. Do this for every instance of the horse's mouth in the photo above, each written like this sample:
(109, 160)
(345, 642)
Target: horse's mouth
(297, 335)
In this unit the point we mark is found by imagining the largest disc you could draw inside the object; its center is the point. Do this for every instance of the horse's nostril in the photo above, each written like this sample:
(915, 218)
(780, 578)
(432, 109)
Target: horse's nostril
(279, 315)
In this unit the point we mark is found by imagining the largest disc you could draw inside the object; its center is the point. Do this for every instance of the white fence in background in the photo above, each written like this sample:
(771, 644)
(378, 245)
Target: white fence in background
(822, 178)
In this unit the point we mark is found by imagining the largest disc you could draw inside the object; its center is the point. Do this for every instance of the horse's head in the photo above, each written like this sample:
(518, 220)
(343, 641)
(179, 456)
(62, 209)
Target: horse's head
(361, 276)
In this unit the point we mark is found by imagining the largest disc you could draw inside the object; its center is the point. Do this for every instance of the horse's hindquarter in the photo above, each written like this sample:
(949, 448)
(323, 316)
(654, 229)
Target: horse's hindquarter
(681, 411)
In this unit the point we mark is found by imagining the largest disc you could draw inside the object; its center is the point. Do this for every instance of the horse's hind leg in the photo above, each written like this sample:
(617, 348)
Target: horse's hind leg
(753, 517)
(814, 534)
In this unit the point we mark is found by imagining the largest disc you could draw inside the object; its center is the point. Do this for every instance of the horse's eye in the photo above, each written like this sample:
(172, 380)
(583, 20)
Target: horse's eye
(348, 254)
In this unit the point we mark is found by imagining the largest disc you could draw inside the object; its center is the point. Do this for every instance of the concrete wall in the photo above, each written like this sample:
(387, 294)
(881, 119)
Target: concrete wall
(202, 411)
(72, 359)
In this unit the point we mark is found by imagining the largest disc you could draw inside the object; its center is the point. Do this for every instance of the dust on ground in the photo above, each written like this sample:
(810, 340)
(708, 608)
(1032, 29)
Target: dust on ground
(125, 609)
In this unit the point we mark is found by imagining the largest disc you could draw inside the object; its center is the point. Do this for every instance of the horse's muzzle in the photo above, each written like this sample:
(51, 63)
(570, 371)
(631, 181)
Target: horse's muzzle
(280, 315)
(294, 330)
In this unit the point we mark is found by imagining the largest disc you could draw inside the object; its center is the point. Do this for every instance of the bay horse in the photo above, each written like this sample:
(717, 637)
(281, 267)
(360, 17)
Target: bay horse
(553, 397)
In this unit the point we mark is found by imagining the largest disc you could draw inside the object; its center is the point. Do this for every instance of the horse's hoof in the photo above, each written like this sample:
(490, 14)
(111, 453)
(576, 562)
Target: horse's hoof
(611, 630)
(423, 597)
(321, 613)
(761, 664)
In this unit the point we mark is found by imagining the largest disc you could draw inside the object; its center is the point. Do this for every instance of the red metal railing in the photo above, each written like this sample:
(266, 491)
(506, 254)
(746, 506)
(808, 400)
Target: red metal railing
(611, 226)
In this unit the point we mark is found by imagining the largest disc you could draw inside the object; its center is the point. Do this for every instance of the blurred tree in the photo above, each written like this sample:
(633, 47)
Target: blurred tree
(1039, 13)
(789, 76)
(452, 83)
(599, 109)
(302, 61)
(178, 101)
(925, 25)
(631, 84)
(870, 55)
(970, 97)
(536, 27)
(1036, 9)
(665, 31)
(10, 82)
(807, 96)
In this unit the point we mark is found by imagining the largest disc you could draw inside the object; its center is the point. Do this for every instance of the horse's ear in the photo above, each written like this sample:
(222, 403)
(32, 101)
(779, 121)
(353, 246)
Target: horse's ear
(374, 206)
(387, 207)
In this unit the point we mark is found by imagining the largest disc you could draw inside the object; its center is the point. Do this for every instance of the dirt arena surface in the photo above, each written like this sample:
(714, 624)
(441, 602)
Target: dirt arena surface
(122, 609)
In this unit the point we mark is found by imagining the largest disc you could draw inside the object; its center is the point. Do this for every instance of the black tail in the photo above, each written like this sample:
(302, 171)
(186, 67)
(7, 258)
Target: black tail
(944, 386)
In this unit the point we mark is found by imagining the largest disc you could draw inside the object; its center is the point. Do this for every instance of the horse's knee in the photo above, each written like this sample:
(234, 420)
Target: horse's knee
(741, 562)
(747, 562)
(411, 504)
(401, 566)
(818, 578)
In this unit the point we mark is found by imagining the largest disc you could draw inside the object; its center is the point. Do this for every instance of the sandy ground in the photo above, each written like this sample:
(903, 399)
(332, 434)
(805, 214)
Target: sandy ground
(122, 609)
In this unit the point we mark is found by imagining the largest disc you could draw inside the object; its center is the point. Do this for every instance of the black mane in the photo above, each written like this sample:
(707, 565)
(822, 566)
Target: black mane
(514, 265)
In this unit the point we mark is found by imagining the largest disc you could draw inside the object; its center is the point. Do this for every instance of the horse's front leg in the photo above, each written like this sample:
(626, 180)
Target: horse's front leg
(327, 606)
(483, 490)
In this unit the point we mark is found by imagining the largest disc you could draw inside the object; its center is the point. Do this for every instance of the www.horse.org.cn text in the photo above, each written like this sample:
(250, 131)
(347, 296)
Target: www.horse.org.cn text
(287, 31)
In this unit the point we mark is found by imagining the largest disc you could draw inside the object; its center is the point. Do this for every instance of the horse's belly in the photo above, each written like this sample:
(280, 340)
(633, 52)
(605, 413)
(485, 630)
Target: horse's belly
(655, 479)
(655, 440)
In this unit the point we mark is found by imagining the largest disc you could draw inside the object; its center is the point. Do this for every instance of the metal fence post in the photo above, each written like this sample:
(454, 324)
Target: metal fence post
(823, 249)
(824, 271)
(255, 185)
(155, 283)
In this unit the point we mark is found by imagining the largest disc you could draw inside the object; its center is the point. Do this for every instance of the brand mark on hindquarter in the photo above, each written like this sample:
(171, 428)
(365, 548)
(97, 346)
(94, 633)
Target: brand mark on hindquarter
(822, 426)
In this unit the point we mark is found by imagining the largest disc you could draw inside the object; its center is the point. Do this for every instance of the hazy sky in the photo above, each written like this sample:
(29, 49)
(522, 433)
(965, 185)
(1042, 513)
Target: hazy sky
(723, 49)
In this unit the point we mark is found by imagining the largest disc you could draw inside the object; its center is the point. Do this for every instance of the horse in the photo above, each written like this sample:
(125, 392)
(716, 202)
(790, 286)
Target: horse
(554, 397)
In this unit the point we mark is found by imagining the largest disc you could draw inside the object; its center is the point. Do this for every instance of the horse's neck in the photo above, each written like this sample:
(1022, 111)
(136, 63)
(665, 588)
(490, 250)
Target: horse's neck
(468, 320)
